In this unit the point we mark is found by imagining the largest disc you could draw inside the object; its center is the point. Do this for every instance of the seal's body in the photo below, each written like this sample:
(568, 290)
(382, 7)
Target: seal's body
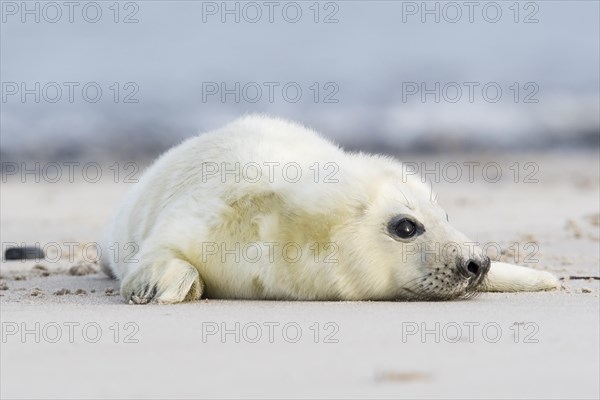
(267, 209)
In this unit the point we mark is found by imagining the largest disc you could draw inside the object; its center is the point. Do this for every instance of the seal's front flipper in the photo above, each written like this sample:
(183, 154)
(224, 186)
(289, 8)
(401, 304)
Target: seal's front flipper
(504, 277)
(167, 282)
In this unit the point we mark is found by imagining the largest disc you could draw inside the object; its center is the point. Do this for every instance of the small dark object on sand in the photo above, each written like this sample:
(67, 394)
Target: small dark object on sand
(82, 268)
(583, 277)
(24, 253)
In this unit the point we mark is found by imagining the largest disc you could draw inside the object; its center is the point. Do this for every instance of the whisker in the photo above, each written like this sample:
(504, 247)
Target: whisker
(430, 190)
(405, 198)
(421, 289)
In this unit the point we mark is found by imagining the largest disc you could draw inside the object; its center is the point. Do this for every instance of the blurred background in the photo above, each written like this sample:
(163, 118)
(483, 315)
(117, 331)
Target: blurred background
(124, 81)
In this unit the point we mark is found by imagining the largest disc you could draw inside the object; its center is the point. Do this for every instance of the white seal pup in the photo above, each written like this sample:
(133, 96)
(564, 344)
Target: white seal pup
(267, 209)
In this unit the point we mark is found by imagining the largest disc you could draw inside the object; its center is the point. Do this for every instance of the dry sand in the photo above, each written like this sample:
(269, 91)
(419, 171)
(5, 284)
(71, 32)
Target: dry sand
(92, 345)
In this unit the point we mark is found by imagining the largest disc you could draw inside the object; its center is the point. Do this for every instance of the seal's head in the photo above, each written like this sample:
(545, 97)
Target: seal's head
(403, 237)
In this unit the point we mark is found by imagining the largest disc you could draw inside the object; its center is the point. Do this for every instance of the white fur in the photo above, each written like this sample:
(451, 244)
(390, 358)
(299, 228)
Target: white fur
(176, 226)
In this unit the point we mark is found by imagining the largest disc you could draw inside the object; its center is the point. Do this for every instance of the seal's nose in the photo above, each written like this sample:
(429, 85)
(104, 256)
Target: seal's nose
(475, 268)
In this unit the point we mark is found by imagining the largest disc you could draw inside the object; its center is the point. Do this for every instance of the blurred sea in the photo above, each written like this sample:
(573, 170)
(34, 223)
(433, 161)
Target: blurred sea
(368, 80)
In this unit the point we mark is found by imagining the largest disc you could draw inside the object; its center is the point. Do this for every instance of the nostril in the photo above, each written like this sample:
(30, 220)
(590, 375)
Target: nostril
(473, 267)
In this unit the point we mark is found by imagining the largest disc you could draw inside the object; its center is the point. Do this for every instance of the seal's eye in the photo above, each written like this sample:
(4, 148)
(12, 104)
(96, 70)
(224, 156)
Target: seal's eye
(405, 228)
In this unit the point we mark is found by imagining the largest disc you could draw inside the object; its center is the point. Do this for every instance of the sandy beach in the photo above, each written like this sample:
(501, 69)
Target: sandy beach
(67, 333)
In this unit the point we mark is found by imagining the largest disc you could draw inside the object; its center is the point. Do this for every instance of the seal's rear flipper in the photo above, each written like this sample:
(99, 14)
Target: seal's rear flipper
(504, 277)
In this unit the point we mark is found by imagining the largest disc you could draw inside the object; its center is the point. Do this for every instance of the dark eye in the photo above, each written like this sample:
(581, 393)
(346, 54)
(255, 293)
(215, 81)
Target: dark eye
(405, 228)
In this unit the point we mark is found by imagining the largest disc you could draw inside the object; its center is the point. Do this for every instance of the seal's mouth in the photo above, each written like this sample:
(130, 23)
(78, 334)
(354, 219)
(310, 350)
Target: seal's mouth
(430, 295)
(441, 284)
